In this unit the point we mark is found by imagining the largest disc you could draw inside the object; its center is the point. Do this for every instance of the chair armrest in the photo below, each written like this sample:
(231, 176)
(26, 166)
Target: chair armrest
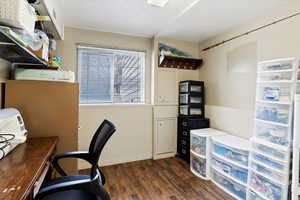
(87, 185)
(77, 154)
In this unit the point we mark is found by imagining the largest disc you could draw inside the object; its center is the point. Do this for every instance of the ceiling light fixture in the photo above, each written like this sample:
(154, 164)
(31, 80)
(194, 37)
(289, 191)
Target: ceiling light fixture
(160, 3)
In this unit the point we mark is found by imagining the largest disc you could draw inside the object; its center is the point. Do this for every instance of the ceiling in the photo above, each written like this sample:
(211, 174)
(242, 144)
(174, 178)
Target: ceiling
(191, 20)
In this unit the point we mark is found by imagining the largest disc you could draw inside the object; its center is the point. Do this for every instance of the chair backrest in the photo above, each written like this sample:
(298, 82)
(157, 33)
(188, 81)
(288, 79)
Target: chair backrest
(100, 138)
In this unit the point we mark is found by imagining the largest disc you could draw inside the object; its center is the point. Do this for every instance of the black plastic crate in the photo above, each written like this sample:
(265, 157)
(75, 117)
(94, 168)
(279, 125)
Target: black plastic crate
(195, 87)
(191, 99)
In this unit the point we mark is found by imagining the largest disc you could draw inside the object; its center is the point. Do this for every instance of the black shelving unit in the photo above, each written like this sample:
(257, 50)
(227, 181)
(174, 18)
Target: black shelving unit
(191, 114)
(12, 51)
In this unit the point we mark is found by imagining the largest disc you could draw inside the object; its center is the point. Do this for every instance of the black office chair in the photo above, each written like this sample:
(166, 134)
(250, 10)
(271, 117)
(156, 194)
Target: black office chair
(80, 187)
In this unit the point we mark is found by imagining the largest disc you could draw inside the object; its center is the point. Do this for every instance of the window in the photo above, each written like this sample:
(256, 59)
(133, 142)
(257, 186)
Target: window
(111, 76)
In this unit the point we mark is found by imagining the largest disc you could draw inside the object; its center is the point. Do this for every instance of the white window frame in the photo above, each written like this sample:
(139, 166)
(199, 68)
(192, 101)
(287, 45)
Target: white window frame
(111, 103)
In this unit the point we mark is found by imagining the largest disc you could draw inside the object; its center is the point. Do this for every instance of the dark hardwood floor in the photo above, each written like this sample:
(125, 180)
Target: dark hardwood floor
(165, 179)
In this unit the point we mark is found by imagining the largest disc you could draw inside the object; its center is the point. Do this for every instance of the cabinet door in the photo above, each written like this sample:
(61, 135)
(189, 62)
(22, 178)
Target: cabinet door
(167, 87)
(166, 135)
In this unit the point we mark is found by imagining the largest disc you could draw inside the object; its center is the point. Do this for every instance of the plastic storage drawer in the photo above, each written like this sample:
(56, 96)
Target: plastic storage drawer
(184, 142)
(281, 177)
(236, 172)
(230, 153)
(274, 113)
(275, 92)
(280, 76)
(272, 133)
(191, 111)
(198, 144)
(277, 154)
(229, 185)
(269, 162)
(266, 187)
(198, 166)
(190, 99)
(277, 65)
(254, 196)
(191, 86)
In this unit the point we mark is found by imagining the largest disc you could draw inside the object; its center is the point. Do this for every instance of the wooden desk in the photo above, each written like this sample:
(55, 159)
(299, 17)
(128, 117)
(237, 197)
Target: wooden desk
(25, 167)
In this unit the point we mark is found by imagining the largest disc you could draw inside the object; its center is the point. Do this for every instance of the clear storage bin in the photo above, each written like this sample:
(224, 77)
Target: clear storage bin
(266, 187)
(254, 196)
(271, 151)
(191, 86)
(198, 165)
(236, 155)
(275, 92)
(198, 144)
(272, 112)
(269, 162)
(187, 99)
(236, 172)
(272, 133)
(280, 76)
(229, 185)
(276, 65)
(188, 110)
(271, 173)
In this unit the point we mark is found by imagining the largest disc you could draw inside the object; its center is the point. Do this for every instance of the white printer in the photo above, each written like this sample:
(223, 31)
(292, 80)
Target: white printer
(12, 130)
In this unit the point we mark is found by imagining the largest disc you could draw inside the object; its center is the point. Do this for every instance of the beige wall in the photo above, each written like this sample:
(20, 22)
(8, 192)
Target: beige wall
(230, 96)
(133, 139)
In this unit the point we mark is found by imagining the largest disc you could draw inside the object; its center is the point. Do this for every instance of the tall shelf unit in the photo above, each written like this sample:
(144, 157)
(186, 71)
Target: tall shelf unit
(269, 166)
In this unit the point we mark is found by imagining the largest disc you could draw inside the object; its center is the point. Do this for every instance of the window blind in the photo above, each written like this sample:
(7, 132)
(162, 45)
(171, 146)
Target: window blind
(111, 76)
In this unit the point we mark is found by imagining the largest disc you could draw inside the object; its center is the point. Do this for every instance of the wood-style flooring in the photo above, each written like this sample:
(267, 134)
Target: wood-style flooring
(165, 179)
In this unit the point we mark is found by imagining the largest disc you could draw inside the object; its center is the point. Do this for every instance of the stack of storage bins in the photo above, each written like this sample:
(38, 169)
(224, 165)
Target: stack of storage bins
(200, 151)
(269, 166)
(229, 164)
(191, 114)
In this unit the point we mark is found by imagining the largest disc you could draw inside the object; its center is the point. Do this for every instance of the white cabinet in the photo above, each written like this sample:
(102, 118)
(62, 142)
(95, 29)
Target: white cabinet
(165, 131)
(166, 87)
(166, 135)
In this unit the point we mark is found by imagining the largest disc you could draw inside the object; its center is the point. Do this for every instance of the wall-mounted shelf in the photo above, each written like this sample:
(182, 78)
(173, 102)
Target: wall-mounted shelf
(14, 52)
(179, 62)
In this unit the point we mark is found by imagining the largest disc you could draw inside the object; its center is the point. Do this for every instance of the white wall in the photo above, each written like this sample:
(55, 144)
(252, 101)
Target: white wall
(230, 96)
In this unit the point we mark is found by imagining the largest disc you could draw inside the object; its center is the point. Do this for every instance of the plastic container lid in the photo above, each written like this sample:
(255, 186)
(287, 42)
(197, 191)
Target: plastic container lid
(206, 132)
(234, 142)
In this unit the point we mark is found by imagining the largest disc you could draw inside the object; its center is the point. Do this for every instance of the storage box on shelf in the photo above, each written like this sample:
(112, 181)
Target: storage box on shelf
(269, 165)
(185, 125)
(200, 151)
(229, 164)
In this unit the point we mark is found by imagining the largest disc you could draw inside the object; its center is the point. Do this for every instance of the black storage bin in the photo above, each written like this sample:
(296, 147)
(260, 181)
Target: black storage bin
(194, 87)
(190, 123)
(192, 111)
(191, 99)
(185, 125)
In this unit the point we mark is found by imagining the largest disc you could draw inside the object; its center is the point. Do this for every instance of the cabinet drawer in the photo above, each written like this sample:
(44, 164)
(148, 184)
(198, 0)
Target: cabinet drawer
(198, 144)
(266, 187)
(236, 155)
(188, 110)
(273, 113)
(189, 123)
(234, 171)
(198, 166)
(191, 86)
(191, 99)
(229, 185)
(275, 164)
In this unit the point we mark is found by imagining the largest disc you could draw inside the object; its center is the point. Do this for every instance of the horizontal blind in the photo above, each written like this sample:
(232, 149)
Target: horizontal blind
(111, 76)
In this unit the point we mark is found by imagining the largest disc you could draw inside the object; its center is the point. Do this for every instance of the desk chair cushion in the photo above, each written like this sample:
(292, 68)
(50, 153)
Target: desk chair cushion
(71, 195)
